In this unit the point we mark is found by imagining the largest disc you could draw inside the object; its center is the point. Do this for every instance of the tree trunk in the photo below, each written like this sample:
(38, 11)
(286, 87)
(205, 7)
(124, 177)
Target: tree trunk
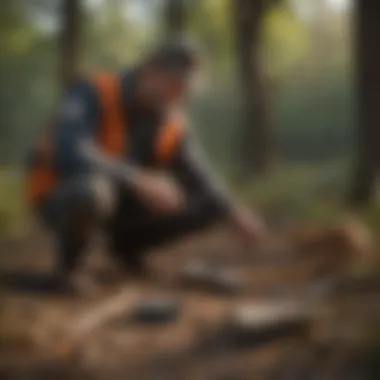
(367, 56)
(70, 40)
(175, 17)
(256, 139)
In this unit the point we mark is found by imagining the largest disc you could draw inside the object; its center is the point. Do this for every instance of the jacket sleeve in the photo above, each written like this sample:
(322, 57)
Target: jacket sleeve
(192, 170)
(77, 121)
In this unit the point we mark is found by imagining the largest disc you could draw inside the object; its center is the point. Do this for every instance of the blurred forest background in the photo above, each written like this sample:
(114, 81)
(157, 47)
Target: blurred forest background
(277, 114)
(289, 116)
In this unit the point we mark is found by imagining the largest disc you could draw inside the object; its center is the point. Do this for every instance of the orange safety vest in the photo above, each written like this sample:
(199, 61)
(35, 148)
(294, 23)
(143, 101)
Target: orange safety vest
(112, 139)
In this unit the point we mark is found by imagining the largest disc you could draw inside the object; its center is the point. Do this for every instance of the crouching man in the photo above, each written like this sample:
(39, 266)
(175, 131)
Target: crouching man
(100, 162)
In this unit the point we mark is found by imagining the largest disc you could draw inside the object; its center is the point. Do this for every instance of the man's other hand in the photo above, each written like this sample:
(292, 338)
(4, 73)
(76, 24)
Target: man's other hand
(158, 192)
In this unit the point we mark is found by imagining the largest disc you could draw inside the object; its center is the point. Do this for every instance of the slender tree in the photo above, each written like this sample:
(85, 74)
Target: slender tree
(367, 56)
(256, 145)
(71, 12)
(175, 17)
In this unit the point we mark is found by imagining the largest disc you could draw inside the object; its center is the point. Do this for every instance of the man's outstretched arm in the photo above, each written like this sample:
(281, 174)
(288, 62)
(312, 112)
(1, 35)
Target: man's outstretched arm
(207, 193)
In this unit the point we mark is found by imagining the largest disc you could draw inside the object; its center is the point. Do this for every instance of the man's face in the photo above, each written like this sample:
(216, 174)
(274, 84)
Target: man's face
(162, 90)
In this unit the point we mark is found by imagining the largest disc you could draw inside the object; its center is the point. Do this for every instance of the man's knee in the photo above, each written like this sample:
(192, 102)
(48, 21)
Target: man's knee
(80, 201)
(103, 193)
(92, 199)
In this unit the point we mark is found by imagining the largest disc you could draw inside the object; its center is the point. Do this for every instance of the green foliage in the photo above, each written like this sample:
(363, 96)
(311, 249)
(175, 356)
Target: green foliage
(315, 116)
(112, 38)
(285, 41)
(26, 80)
(311, 88)
(12, 207)
(311, 193)
(300, 191)
(209, 21)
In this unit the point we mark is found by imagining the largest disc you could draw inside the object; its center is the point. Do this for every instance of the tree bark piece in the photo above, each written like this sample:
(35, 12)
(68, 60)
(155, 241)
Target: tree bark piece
(70, 40)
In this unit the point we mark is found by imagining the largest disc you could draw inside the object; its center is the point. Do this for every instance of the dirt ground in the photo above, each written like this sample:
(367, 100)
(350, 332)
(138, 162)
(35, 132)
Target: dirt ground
(44, 335)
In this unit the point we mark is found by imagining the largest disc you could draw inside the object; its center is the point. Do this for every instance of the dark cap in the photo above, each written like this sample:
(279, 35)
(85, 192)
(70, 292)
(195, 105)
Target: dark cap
(178, 56)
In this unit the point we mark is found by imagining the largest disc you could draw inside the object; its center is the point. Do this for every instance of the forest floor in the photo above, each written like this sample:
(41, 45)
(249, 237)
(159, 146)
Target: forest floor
(279, 323)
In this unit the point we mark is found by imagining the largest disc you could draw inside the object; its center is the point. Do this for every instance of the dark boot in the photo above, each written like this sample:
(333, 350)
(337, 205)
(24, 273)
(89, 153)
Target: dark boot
(69, 251)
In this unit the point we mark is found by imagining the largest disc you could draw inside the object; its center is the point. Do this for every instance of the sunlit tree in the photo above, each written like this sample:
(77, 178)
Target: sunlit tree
(71, 13)
(256, 143)
(175, 17)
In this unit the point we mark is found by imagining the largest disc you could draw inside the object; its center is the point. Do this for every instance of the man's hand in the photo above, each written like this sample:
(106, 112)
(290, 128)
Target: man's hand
(157, 192)
(154, 189)
(250, 227)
